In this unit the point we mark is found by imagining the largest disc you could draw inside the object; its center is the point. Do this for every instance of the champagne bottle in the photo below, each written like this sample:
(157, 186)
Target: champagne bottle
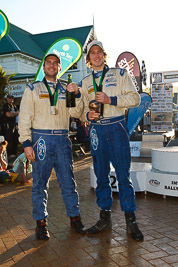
(70, 96)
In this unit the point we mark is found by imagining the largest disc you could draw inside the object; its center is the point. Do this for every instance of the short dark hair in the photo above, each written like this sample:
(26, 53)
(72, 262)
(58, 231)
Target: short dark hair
(10, 96)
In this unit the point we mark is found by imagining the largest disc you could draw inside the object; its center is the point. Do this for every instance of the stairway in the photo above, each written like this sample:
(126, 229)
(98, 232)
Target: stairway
(150, 140)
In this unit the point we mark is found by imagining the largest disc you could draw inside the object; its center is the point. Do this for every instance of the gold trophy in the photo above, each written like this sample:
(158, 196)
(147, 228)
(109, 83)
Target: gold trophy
(94, 105)
(97, 107)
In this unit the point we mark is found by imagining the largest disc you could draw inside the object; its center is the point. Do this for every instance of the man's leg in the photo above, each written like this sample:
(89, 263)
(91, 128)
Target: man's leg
(64, 172)
(99, 151)
(121, 160)
(42, 168)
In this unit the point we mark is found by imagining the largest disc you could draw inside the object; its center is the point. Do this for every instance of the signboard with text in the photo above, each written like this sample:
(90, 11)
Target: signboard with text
(161, 108)
(17, 90)
(164, 77)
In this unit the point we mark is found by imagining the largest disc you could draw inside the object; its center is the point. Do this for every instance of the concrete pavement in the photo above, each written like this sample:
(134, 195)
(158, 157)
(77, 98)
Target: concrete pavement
(157, 218)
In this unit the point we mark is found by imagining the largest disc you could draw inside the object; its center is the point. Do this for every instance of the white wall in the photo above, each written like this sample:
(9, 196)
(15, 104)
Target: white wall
(19, 63)
(79, 73)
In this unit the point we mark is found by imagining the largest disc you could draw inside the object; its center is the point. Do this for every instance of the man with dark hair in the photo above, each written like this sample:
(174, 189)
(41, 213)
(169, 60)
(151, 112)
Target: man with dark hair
(43, 129)
(10, 112)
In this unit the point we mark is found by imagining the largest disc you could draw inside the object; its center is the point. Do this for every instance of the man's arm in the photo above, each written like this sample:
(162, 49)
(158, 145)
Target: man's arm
(128, 96)
(25, 122)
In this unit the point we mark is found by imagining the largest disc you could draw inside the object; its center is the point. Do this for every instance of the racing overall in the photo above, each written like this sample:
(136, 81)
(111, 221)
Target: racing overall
(48, 135)
(109, 139)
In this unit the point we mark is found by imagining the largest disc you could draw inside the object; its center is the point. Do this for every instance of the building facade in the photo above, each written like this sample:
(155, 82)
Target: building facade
(21, 53)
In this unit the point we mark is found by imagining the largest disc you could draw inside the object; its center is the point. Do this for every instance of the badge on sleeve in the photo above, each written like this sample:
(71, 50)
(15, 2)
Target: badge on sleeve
(122, 72)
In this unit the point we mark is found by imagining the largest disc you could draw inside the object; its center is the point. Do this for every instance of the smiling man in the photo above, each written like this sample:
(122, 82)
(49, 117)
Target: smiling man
(108, 92)
(43, 129)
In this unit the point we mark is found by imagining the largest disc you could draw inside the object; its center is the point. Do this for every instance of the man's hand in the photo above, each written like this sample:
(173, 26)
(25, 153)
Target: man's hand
(102, 98)
(92, 115)
(73, 87)
(29, 153)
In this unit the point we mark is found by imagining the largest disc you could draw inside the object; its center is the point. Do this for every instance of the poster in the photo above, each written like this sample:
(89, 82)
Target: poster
(161, 108)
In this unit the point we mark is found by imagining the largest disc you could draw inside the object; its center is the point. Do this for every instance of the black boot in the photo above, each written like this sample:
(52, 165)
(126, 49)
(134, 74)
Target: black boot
(77, 224)
(42, 230)
(132, 227)
(104, 223)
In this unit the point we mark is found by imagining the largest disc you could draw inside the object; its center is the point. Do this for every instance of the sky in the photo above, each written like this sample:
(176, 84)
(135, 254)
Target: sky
(146, 28)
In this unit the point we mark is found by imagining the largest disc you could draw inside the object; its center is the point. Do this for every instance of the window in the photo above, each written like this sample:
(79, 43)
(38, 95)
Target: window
(73, 67)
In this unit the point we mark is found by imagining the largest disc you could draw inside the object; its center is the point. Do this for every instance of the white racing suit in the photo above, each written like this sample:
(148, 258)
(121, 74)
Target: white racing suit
(48, 134)
(109, 139)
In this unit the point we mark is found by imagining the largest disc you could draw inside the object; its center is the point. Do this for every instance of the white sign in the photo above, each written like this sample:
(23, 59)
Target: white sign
(17, 90)
(145, 180)
(164, 77)
(164, 184)
(138, 177)
(161, 107)
(135, 147)
(170, 76)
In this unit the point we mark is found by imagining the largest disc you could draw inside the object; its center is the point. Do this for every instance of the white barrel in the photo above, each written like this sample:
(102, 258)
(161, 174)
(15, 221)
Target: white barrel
(165, 159)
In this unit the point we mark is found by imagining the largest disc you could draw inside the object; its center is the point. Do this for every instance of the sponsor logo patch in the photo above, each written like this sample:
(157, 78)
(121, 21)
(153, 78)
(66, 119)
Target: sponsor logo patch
(41, 149)
(122, 72)
(111, 80)
(94, 139)
(110, 74)
(44, 96)
(154, 182)
(91, 90)
(111, 84)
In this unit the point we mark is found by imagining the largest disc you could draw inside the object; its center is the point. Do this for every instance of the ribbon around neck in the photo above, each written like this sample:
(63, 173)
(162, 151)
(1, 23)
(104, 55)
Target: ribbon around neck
(53, 96)
(103, 72)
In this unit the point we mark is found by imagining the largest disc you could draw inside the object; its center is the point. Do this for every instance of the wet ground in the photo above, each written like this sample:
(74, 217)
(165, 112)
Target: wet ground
(157, 218)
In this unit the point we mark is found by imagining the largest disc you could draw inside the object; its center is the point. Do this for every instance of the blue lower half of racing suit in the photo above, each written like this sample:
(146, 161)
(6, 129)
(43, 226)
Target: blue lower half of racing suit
(109, 142)
(53, 149)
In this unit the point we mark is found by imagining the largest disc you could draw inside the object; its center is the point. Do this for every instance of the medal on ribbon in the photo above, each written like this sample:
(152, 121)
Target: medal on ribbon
(53, 98)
